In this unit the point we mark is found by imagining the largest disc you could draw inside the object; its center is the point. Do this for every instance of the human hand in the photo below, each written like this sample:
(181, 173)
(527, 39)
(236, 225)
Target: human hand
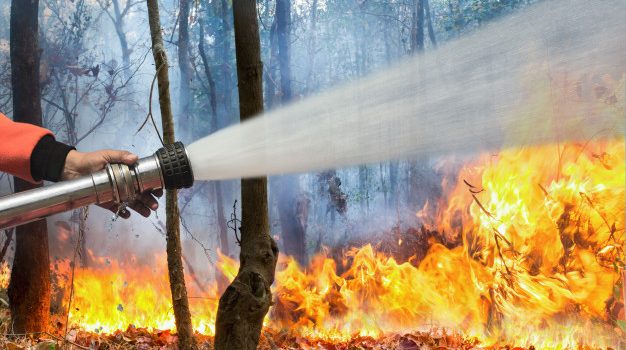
(78, 164)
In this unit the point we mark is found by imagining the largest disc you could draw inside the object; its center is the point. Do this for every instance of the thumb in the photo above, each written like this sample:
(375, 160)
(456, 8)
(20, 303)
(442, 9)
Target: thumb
(113, 156)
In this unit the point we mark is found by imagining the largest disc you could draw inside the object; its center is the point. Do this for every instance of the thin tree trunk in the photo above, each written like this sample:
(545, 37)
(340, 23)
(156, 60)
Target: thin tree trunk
(393, 183)
(270, 77)
(217, 185)
(429, 22)
(246, 301)
(29, 288)
(393, 165)
(221, 219)
(420, 26)
(225, 53)
(283, 28)
(184, 65)
(209, 76)
(172, 225)
(413, 36)
(312, 47)
(121, 35)
(292, 211)
(7, 242)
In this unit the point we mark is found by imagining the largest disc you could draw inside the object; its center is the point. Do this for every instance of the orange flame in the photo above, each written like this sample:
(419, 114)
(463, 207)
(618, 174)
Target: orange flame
(536, 264)
(540, 234)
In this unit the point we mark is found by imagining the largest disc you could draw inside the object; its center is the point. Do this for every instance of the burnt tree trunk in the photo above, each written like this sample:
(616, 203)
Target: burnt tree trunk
(29, 288)
(246, 301)
(292, 208)
(172, 225)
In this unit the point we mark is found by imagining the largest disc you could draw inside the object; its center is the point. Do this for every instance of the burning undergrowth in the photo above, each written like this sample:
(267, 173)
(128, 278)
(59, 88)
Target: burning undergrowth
(525, 248)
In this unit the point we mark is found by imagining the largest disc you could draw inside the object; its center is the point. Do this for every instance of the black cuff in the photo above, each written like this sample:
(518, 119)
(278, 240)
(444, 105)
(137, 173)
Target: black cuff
(48, 159)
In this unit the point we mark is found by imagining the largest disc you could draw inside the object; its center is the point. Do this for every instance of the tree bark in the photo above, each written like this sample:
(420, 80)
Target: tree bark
(174, 250)
(184, 65)
(246, 301)
(29, 288)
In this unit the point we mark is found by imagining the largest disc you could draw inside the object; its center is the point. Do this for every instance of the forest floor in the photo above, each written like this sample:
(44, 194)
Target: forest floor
(145, 340)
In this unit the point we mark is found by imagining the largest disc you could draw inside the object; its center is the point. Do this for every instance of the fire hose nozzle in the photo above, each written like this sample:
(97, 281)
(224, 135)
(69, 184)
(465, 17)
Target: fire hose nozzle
(168, 168)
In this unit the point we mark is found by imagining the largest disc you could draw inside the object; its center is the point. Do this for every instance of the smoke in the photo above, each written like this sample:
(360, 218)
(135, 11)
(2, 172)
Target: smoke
(419, 108)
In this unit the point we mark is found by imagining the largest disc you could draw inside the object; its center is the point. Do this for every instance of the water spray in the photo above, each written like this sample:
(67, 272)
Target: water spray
(493, 89)
(168, 168)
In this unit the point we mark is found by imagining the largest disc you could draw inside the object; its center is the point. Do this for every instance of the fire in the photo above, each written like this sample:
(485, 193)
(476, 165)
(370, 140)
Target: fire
(541, 232)
(536, 253)
(114, 296)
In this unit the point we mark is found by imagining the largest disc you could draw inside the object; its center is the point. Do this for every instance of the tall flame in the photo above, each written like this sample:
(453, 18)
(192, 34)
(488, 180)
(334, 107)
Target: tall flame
(542, 233)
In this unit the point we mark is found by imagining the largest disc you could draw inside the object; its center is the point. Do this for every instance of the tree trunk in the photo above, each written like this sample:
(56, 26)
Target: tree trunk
(293, 216)
(420, 26)
(429, 22)
(225, 53)
(121, 35)
(246, 301)
(185, 66)
(312, 47)
(270, 77)
(283, 29)
(209, 76)
(29, 288)
(7, 242)
(292, 209)
(217, 185)
(417, 27)
(174, 250)
(393, 184)
(364, 188)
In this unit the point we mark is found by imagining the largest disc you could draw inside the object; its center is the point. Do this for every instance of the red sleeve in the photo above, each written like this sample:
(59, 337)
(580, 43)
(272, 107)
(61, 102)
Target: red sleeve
(17, 141)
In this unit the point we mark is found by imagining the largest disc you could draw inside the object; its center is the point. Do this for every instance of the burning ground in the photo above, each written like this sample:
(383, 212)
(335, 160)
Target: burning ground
(523, 249)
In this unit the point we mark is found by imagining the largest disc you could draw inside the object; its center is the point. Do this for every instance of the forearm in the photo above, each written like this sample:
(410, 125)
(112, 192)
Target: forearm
(30, 152)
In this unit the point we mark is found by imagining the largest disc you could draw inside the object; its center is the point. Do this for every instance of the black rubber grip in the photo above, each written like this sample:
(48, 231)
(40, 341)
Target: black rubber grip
(175, 166)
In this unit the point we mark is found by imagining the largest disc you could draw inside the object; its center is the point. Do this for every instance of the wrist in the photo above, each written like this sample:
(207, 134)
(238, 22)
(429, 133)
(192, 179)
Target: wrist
(71, 167)
(48, 159)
